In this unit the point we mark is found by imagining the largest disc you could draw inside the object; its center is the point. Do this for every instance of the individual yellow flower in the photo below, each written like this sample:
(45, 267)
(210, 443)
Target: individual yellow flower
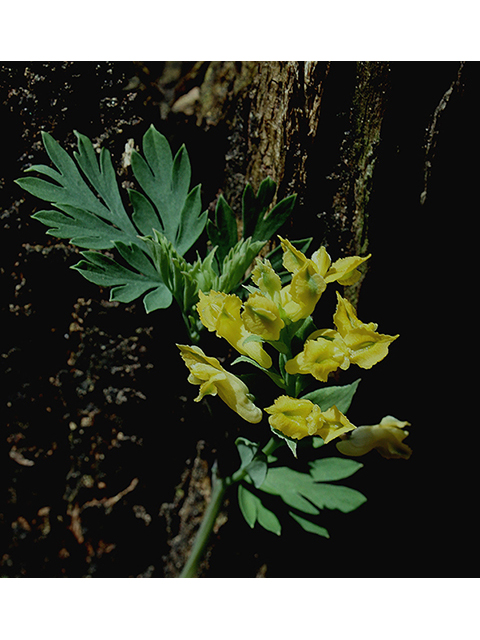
(299, 417)
(220, 312)
(366, 346)
(306, 289)
(262, 317)
(386, 437)
(344, 270)
(214, 379)
(321, 356)
(293, 417)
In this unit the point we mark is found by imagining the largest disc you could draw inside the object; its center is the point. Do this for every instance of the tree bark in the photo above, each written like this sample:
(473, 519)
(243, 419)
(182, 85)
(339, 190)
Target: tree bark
(272, 112)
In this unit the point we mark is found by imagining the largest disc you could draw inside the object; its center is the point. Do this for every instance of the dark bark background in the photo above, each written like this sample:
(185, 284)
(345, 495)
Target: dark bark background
(105, 457)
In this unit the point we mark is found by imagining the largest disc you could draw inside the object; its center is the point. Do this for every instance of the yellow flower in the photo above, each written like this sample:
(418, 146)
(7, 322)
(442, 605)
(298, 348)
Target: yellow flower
(321, 356)
(298, 418)
(365, 345)
(386, 437)
(214, 379)
(220, 312)
(262, 317)
(344, 270)
(294, 418)
(306, 289)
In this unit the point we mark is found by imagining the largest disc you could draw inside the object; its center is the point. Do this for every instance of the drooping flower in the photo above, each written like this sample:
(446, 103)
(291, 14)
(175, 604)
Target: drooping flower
(220, 312)
(299, 417)
(387, 438)
(366, 346)
(213, 379)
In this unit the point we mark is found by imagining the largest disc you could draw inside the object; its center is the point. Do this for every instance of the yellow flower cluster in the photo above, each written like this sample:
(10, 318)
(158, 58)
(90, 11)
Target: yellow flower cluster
(262, 317)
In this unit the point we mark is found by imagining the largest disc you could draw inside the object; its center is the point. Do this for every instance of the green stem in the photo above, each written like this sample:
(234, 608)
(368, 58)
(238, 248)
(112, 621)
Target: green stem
(219, 488)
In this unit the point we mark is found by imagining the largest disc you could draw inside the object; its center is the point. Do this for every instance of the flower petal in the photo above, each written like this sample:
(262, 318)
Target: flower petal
(344, 270)
(367, 347)
(293, 259)
(334, 424)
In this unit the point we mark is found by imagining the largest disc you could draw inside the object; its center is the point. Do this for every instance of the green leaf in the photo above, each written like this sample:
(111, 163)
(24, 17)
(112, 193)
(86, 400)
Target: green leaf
(291, 443)
(276, 377)
(254, 511)
(72, 190)
(223, 232)
(309, 526)
(268, 225)
(127, 285)
(246, 451)
(257, 222)
(252, 460)
(248, 505)
(166, 182)
(257, 470)
(326, 397)
(329, 469)
(301, 491)
(83, 228)
(254, 207)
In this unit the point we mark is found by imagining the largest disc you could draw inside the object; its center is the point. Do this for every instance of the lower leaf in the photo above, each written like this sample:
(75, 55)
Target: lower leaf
(309, 526)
